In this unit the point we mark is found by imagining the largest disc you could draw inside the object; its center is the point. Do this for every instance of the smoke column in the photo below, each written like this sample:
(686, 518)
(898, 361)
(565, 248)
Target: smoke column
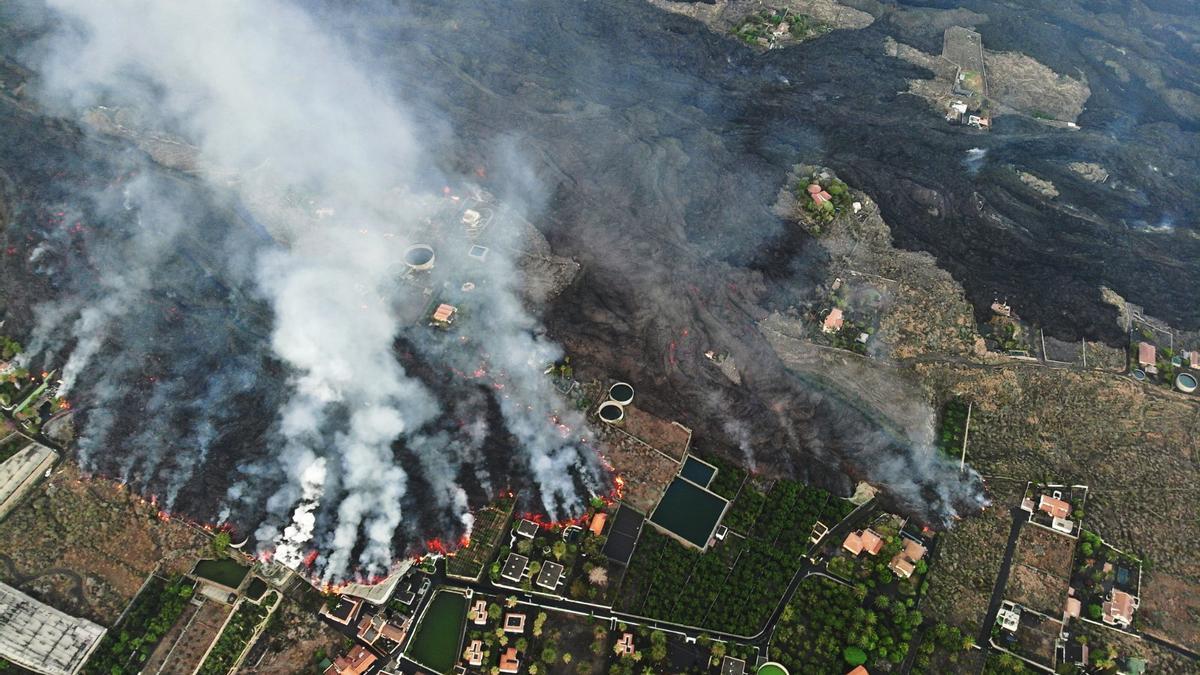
(326, 159)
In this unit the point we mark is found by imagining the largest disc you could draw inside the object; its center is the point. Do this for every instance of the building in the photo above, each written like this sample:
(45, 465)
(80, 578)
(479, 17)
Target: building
(527, 529)
(345, 611)
(514, 567)
(625, 645)
(1009, 616)
(550, 575)
(509, 663)
(444, 314)
(475, 653)
(356, 662)
(863, 540)
(478, 613)
(818, 194)
(514, 622)
(1118, 609)
(1054, 506)
(905, 562)
(1194, 359)
(732, 666)
(597, 525)
(1073, 608)
(859, 670)
(19, 473)
(833, 321)
(40, 638)
(1147, 354)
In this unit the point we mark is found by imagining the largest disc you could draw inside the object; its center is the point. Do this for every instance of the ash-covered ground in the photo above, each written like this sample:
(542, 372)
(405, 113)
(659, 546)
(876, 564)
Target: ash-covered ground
(642, 145)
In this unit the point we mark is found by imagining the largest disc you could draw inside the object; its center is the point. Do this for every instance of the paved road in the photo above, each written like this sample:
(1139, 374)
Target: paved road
(985, 631)
(761, 639)
(1182, 651)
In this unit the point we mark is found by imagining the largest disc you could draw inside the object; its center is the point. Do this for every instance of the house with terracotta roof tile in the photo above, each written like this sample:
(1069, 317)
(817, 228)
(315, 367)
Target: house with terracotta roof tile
(1118, 608)
(1146, 354)
(833, 321)
(863, 540)
(509, 663)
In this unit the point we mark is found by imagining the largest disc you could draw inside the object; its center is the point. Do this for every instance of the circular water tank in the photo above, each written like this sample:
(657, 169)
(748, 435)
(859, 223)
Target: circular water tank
(1185, 383)
(1139, 375)
(611, 412)
(419, 257)
(621, 393)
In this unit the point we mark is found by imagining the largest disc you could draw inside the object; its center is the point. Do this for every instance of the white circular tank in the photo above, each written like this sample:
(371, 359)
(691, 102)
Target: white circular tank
(611, 412)
(419, 257)
(621, 393)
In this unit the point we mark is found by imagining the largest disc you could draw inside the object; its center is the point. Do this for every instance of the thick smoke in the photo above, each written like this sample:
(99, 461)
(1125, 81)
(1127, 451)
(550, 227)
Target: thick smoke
(326, 159)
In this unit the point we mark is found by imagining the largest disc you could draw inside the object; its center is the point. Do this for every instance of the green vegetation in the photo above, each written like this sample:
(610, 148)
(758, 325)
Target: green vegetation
(952, 427)
(735, 585)
(948, 641)
(745, 509)
(762, 28)
(229, 647)
(729, 477)
(220, 544)
(437, 640)
(9, 348)
(827, 624)
(127, 646)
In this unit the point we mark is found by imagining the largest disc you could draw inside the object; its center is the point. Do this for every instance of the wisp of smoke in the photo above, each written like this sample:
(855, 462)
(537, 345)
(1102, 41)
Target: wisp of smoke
(326, 159)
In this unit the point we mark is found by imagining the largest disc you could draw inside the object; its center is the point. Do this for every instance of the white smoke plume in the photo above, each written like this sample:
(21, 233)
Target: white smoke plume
(282, 109)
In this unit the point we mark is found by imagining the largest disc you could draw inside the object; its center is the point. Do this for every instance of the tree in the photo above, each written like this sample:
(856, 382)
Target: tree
(494, 611)
(220, 544)
(1095, 612)
(559, 549)
(598, 576)
(549, 654)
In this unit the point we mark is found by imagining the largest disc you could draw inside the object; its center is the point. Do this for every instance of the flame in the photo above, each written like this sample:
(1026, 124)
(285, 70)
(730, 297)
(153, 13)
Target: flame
(310, 558)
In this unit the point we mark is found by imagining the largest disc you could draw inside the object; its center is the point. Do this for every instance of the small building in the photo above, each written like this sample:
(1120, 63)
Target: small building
(1054, 506)
(514, 567)
(471, 217)
(1009, 616)
(444, 314)
(863, 337)
(345, 612)
(720, 533)
(478, 613)
(597, 525)
(509, 663)
(905, 562)
(527, 529)
(1194, 359)
(1118, 609)
(833, 321)
(356, 662)
(514, 622)
(1001, 309)
(1073, 608)
(474, 653)
(732, 666)
(625, 644)
(550, 575)
(1147, 354)
(859, 670)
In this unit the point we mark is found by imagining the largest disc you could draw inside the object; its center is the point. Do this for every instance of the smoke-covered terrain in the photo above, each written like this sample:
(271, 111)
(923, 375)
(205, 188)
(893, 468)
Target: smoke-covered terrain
(230, 316)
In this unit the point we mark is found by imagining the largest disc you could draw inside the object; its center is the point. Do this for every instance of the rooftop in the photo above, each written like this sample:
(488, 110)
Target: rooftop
(732, 666)
(38, 637)
(357, 661)
(1146, 354)
(509, 663)
(514, 623)
(550, 575)
(1057, 508)
(514, 567)
(833, 321)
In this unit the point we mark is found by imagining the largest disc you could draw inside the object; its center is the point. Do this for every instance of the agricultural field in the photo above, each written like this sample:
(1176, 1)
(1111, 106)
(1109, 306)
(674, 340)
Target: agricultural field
(237, 634)
(85, 546)
(1132, 444)
(490, 525)
(736, 584)
(831, 628)
(151, 615)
